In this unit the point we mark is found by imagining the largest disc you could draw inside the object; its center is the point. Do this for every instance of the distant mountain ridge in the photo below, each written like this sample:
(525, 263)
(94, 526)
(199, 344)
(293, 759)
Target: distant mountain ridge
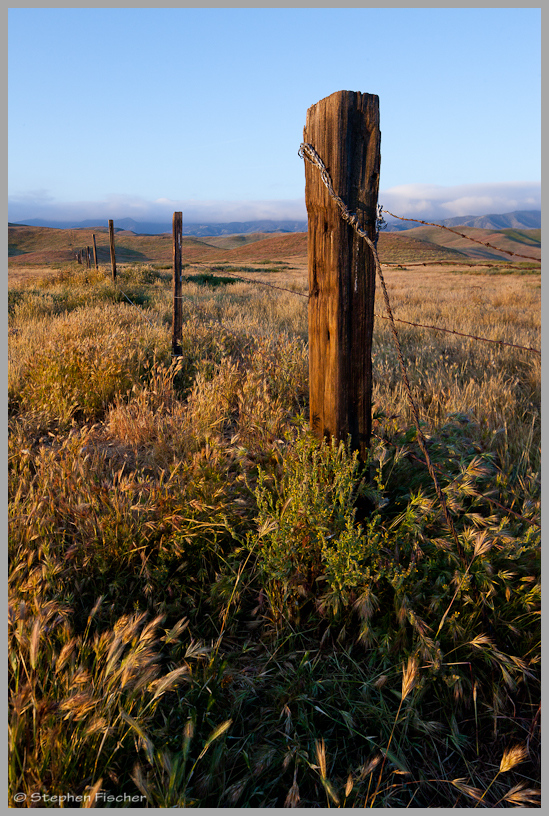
(158, 228)
(520, 219)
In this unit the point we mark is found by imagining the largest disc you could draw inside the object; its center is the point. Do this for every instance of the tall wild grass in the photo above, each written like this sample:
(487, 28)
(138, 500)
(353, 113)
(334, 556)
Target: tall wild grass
(208, 607)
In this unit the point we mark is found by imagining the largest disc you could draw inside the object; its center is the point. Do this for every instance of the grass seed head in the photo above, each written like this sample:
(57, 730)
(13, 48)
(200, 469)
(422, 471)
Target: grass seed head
(321, 757)
(521, 796)
(513, 756)
(292, 798)
(409, 677)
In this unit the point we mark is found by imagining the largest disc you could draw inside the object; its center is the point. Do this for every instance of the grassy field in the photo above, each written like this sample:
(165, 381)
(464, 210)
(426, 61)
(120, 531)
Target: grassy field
(210, 608)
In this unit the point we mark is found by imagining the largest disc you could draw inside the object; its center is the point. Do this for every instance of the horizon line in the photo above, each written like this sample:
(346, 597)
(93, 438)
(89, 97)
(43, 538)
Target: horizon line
(236, 220)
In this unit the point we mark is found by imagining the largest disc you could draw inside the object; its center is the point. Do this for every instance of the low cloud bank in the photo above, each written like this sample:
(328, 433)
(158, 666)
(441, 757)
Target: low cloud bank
(425, 201)
(430, 202)
(40, 205)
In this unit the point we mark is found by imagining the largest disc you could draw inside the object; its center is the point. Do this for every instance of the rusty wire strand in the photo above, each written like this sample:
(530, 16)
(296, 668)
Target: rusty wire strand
(462, 334)
(308, 152)
(135, 306)
(462, 235)
(427, 461)
(260, 283)
(384, 317)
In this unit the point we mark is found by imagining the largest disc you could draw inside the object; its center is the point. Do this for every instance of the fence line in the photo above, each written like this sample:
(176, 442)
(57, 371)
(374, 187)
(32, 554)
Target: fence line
(376, 314)
(384, 317)
(267, 430)
(262, 283)
(487, 263)
(427, 462)
(135, 306)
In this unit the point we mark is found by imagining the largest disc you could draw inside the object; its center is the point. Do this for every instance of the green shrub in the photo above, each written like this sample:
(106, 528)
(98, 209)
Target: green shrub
(396, 580)
(306, 534)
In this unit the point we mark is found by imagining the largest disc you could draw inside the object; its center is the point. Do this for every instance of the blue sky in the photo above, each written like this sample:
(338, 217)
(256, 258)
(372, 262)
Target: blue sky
(138, 112)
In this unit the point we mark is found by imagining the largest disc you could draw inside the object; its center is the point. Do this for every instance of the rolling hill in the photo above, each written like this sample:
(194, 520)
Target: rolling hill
(28, 245)
(520, 219)
(40, 245)
(524, 242)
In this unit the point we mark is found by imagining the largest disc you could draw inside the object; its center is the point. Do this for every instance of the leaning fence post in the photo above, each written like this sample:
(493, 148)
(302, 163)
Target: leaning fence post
(113, 255)
(94, 251)
(177, 324)
(344, 131)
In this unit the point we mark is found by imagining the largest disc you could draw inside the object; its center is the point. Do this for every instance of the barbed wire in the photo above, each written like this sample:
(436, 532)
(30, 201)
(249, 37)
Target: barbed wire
(384, 317)
(376, 314)
(308, 152)
(259, 283)
(462, 235)
(136, 307)
(476, 264)
(462, 334)
(421, 439)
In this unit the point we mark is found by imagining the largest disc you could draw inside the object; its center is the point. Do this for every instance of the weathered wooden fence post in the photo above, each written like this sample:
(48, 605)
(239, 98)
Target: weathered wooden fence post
(95, 251)
(177, 325)
(113, 255)
(344, 130)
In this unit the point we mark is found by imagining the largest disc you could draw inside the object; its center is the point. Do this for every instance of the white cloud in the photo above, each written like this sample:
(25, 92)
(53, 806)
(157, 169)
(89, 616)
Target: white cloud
(115, 206)
(425, 201)
(433, 202)
(223, 211)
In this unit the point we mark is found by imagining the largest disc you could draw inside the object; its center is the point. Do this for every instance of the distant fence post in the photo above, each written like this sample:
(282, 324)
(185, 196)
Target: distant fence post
(344, 130)
(177, 325)
(88, 258)
(95, 251)
(113, 255)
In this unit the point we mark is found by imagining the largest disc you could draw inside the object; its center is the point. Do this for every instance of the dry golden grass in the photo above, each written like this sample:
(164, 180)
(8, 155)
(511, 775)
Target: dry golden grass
(25, 274)
(495, 385)
(197, 614)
